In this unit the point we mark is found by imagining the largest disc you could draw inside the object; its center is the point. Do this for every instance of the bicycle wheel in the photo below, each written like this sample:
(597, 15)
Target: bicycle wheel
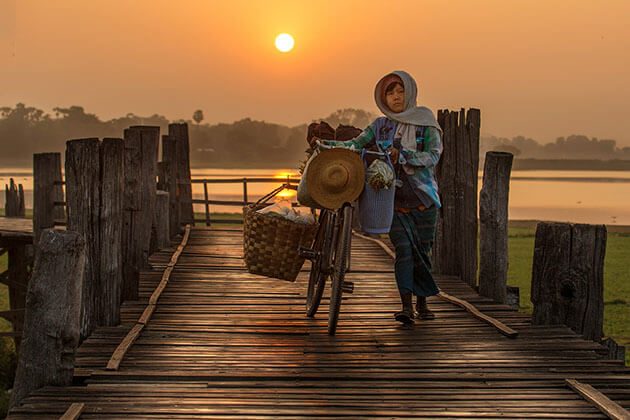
(339, 270)
(320, 264)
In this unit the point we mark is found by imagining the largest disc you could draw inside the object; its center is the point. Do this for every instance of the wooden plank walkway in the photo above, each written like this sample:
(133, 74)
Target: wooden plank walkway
(226, 344)
(15, 228)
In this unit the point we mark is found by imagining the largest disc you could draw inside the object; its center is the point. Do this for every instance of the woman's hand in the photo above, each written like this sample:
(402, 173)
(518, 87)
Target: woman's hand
(394, 155)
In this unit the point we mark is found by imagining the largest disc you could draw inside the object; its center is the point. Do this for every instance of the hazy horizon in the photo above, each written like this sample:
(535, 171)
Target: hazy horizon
(537, 69)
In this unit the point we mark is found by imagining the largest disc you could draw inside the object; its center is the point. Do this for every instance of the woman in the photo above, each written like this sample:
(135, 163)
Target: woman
(413, 136)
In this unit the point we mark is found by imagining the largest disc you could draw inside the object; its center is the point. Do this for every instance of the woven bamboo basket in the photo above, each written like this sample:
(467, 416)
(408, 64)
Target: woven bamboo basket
(271, 243)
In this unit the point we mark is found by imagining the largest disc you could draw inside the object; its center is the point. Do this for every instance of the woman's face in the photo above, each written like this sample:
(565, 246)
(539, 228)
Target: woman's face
(395, 98)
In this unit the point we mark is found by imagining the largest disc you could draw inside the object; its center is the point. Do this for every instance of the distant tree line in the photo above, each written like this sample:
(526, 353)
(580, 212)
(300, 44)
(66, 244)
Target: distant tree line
(571, 147)
(25, 130)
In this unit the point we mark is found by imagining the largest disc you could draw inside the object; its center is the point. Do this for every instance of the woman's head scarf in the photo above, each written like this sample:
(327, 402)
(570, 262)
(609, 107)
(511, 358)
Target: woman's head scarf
(412, 113)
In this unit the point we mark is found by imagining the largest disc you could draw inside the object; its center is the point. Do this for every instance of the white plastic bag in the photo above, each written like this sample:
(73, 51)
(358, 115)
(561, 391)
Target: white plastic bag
(281, 207)
(380, 175)
(284, 209)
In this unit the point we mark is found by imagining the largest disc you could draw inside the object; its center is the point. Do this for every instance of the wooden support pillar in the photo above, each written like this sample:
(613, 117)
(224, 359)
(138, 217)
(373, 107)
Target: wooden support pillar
(51, 332)
(21, 206)
(14, 200)
(615, 351)
(206, 204)
(161, 223)
(141, 151)
(179, 132)
(83, 203)
(20, 261)
(162, 171)
(568, 277)
(170, 158)
(46, 171)
(455, 250)
(493, 230)
(94, 186)
(112, 152)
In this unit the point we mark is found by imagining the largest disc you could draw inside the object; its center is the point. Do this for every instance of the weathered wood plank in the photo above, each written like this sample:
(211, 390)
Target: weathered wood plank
(73, 412)
(603, 403)
(501, 327)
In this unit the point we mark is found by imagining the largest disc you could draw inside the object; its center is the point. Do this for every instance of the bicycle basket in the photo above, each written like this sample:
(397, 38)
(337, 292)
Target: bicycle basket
(271, 243)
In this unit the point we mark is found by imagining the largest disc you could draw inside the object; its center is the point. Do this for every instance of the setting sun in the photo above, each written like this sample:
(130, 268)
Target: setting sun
(284, 42)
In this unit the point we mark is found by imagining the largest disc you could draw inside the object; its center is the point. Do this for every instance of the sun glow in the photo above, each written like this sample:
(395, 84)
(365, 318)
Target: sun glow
(284, 42)
(284, 194)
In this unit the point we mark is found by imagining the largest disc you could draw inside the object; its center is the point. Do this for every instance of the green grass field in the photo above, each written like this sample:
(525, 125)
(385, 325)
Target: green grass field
(521, 249)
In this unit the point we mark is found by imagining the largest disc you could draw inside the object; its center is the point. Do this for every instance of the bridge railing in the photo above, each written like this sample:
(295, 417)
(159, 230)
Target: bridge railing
(206, 201)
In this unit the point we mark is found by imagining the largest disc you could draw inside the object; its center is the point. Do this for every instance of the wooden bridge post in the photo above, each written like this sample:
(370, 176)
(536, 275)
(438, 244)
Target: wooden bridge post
(112, 152)
(179, 132)
(53, 305)
(162, 173)
(141, 151)
(455, 250)
(20, 258)
(568, 277)
(46, 190)
(94, 188)
(245, 197)
(83, 203)
(206, 204)
(162, 239)
(493, 230)
(14, 200)
(170, 158)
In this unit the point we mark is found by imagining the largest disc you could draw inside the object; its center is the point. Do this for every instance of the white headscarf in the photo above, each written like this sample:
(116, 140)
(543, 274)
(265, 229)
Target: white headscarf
(412, 115)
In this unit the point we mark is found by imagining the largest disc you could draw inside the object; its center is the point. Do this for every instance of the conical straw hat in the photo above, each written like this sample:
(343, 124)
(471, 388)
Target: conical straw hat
(334, 177)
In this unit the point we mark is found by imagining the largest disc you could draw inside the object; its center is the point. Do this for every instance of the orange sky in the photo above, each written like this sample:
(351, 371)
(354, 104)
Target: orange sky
(539, 68)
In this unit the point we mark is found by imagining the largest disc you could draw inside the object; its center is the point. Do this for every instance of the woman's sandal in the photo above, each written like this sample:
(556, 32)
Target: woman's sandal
(406, 317)
(422, 310)
(424, 314)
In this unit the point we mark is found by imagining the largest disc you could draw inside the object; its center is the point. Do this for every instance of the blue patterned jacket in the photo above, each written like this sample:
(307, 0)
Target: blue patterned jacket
(423, 160)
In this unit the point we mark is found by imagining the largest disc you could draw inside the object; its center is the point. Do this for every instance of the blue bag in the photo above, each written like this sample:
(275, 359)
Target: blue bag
(376, 207)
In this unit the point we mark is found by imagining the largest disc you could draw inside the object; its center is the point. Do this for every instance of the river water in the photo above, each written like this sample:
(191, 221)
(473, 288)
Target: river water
(574, 196)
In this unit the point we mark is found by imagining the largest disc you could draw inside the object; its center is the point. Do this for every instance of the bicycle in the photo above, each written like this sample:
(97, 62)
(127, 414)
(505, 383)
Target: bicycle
(329, 257)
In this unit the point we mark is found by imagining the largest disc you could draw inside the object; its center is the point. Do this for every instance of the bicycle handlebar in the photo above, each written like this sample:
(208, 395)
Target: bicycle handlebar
(368, 152)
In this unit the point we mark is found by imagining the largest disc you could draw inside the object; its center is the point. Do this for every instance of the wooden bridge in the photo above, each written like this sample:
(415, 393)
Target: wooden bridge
(222, 343)
(171, 325)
